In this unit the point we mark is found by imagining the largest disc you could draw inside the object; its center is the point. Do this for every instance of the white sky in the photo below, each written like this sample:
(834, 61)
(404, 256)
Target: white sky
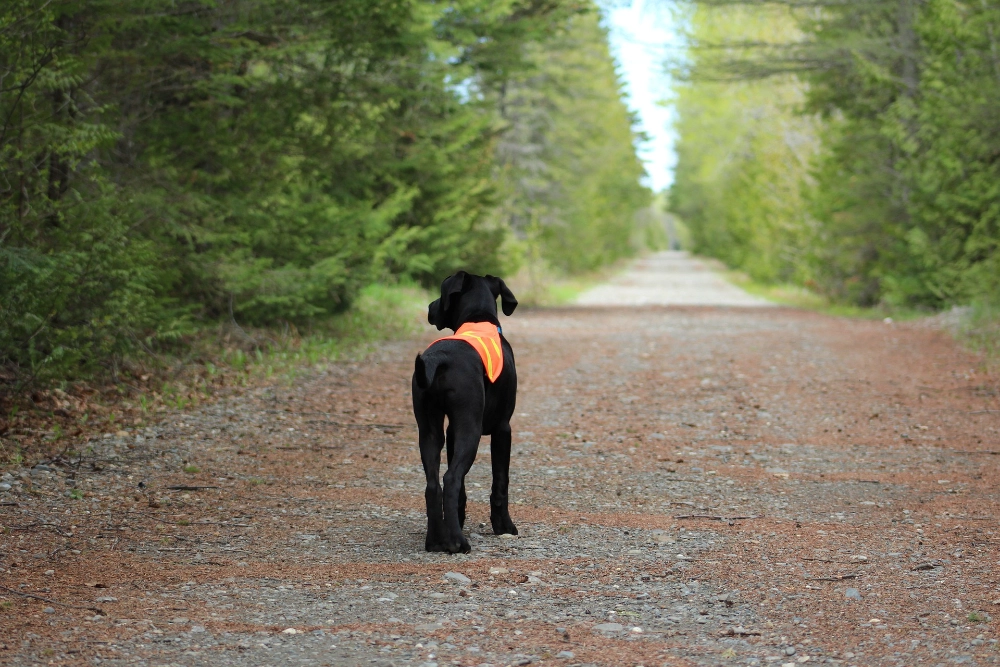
(642, 32)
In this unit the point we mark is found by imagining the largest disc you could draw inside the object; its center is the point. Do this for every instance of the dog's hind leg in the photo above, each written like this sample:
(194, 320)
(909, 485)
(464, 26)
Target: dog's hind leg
(500, 453)
(468, 431)
(431, 441)
(462, 498)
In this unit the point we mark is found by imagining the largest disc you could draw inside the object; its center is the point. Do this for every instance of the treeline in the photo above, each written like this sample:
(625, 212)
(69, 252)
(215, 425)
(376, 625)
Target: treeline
(169, 162)
(851, 146)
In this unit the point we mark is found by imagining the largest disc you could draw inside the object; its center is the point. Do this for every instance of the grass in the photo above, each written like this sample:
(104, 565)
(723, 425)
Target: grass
(797, 296)
(538, 285)
(978, 326)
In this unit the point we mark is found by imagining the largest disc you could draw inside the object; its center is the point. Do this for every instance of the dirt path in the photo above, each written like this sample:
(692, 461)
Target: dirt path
(693, 486)
(671, 278)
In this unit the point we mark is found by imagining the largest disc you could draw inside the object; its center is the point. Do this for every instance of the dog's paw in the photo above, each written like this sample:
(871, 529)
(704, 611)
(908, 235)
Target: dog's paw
(461, 546)
(503, 526)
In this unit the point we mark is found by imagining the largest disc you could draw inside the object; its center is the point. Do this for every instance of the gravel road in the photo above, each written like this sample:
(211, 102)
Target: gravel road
(693, 486)
(671, 278)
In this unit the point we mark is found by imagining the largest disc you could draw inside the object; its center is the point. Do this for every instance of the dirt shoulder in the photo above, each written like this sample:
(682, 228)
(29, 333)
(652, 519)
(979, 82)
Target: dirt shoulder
(693, 486)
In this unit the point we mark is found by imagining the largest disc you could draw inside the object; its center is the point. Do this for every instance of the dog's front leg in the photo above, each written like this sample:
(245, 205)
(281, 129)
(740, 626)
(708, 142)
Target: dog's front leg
(500, 453)
(431, 441)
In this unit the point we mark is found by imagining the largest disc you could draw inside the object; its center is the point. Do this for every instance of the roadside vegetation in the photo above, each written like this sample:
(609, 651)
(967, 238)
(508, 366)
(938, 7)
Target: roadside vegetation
(189, 186)
(848, 150)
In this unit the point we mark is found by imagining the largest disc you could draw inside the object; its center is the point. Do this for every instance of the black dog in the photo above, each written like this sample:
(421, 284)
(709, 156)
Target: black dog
(450, 379)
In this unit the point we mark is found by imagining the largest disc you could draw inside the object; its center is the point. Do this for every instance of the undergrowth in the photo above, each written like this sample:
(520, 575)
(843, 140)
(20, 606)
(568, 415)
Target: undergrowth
(978, 327)
(208, 362)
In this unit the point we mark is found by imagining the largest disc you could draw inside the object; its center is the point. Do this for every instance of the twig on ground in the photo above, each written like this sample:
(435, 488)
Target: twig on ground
(715, 517)
(61, 604)
(190, 488)
(839, 577)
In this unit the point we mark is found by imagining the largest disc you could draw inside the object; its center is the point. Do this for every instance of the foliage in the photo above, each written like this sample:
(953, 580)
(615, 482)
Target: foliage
(165, 164)
(900, 201)
(568, 162)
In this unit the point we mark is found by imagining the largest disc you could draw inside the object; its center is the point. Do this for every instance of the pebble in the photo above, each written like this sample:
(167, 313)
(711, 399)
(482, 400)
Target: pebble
(565, 654)
(457, 577)
(180, 620)
(503, 570)
(49, 610)
(5, 487)
(289, 631)
(49, 573)
(852, 594)
(608, 627)
(196, 629)
(790, 650)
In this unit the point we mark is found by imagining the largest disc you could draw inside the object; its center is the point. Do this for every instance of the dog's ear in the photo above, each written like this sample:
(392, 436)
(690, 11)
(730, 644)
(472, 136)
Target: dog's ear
(434, 314)
(499, 288)
(451, 286)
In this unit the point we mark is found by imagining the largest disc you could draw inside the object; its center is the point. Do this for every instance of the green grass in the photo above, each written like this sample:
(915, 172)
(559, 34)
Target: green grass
(797, 296)
(192, 469)
(540, 286)
(979, 328)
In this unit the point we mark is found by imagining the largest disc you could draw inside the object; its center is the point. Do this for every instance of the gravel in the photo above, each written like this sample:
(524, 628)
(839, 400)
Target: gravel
(714, 478)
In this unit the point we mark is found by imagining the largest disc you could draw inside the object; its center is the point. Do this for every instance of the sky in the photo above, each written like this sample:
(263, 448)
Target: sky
(642, 33)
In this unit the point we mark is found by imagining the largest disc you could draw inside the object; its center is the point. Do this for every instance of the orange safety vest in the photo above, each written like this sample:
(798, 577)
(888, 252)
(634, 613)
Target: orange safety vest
(484, 337)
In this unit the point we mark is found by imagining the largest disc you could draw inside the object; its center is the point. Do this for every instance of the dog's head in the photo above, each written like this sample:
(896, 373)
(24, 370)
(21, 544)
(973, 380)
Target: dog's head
(469, 298)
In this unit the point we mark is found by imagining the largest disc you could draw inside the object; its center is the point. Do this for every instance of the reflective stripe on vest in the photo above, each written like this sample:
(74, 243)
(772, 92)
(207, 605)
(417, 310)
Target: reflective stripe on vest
(484, 339)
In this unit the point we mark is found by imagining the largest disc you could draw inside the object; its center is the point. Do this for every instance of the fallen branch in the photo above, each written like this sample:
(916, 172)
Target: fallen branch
(61, 604)
(839, 577)
(926, 566)
(738, 632)
(190, 488)
(714, 517)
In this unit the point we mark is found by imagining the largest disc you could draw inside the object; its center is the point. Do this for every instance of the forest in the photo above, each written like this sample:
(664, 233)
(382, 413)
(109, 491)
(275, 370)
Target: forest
(851, 147)
(169, 164)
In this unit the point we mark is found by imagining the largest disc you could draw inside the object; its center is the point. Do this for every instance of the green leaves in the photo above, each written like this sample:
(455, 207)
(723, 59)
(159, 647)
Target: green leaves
(898, 204)
(265, 160)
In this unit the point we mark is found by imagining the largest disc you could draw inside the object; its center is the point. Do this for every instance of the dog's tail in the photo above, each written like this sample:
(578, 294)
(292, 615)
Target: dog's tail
(426, 373)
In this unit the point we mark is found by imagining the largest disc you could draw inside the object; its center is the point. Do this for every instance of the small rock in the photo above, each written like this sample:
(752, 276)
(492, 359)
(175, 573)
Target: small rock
(49, 573)
(503, 570)
(790, 650)
(108, 598)
(196, 629)
(565, 654)
(49, 610)
(5, 487)
(608, 627)
(289, 631)
(180, 620)
(637, 630)
(427, 627)
(457, 577)
(852, 594)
